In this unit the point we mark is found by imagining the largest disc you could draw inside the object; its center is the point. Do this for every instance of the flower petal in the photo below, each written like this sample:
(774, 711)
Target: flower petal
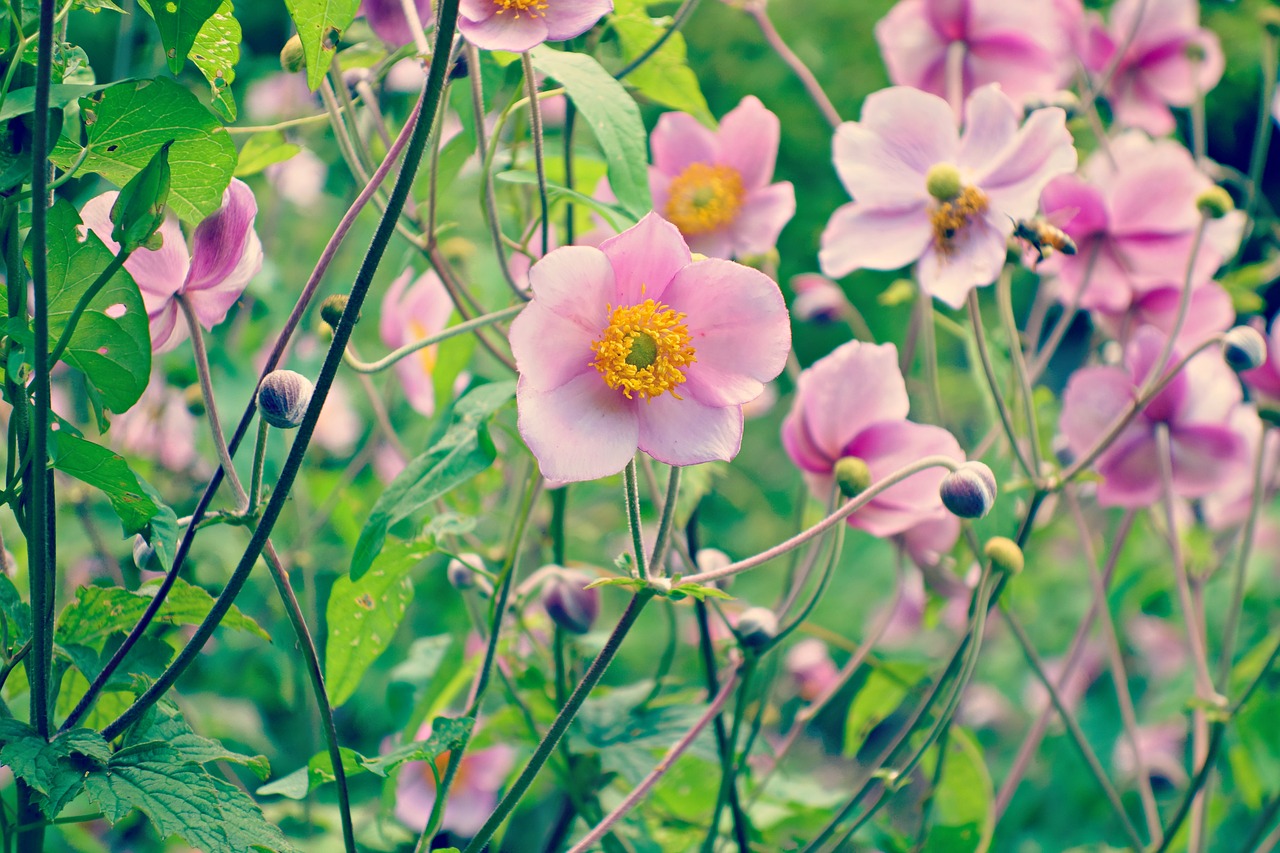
(760, 220)
(514, 33)
(1094, 398)
(645, 258)
(678, 141)
(159, 273)
(224, 251)
(583, 430)
(748, 141)
(687, 432)
(863, 236)
(576, 282)
(834, 417)
(1205, 457)
(882, 160)
(1014, 176)
(549, 348)
(976, 256)
(569, 18)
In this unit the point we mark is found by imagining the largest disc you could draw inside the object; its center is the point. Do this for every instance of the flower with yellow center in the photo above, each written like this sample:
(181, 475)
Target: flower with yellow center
(532, 7)
(644, 350)
(950, 217)
(704, 197)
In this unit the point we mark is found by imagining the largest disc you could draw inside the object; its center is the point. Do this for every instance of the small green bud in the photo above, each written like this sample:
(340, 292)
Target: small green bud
(1244, 348)
(1215, 203)
(194, 398)
(332, 308)
(1269, 17)
(756, 627)
(1004, 554)
(292, 56)
(283, 398)
(852, 476)
(943, 181)
(138, 211)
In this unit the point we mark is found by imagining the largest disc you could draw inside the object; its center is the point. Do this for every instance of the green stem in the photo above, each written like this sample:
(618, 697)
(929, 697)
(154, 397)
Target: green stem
(632, 497)
(1004, 299)
(409, 349)
(677, 21)
(539, 151)
(259, 463)
(729, 758)
(1262, 134)
(664, 524)
(1227, 652)
(723, 749)
(993, 384)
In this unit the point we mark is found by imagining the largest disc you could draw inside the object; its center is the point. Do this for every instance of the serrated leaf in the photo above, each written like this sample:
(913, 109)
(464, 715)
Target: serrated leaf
(263, 150)
(179, 22)
(111, 344)
(93, 464)
(460, 454)
(129, 122)
(363, 616)
(320, 25)
(609, 110)
(57, 768)
(665, 77)
(166, 725)
(98, 612)
(17, 615)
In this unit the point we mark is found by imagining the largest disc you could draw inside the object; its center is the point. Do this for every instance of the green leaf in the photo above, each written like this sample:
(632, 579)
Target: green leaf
(879, 696)
(93, 464)
(363, 616)
(320, 25)
(612, 114)
(165, 724)
(129, 122)
(17, 615)
(56, 769)
(963, 816)
(664, 78)
(139, 208)
(463, 452)
(111, 343)
(215, 52)
(616, 219)
(263, 150)
(179, 21)
(22, 101)
(631, 736)
(181, 798)
(98, 612)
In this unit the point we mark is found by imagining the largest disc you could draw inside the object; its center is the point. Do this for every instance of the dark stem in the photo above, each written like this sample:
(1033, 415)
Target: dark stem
(677, 21)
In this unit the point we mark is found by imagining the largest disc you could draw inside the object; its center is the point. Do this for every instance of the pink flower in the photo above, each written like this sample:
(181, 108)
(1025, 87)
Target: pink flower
(1206, 452)
(300, 179)
(1163, 749)
(518, 25)
(854, 402)
(715, 186)
(923, 192)
(1023, 46)
(339, 425)
(810, 664)
(411, 313)
(1228, 506)
(225, 255)
(1134, 222)
(1169, 60)
(1210, 311)
(818, 299)
(159, 426)
(1265, 379)
(387, 19)
(634, 346)
(473, 796)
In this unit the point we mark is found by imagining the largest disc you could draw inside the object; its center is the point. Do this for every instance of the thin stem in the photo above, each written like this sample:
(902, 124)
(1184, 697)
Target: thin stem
(259, 464)
(83, 303)
(489, 201)
(723, 747)
(632, 497)
(1197, 785)
(431, 340)
(210, 404)
(929, 353)
(1004, 299)
(1006, 418)
(677, 22)
(811, 85)
(539, 151)
(664, 524)
(1245, 548)
(729, 758)
(1184, 305)
(1262, 133)
(956, 53)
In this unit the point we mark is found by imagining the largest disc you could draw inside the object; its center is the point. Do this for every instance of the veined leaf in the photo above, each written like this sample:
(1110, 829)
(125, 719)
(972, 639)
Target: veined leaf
(98, 612)
(179, 22)
(93, 464)
(320, 25)
(665, 77)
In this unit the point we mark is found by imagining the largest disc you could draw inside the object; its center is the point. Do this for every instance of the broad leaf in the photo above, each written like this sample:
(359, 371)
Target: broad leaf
(129, 122)
(879, 696)
(963, 813)
(320, 25)
(17, 615)
(363, 616)
(665, 77)
(463, 452)
(216, 52)
(179, 21)
(98, 612)
(93, 464)
(55, 769)
(165, 724)
(23, 101)
(263, 150)
(611, 113)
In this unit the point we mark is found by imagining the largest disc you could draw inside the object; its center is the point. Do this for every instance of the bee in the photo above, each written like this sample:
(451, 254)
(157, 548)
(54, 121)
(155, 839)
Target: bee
(1043, 237)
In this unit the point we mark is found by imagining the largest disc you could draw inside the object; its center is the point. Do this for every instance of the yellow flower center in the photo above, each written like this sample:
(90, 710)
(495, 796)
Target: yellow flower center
(644, 350)
(533, 7)
(704, 197)
(426, 355)
(950, 217)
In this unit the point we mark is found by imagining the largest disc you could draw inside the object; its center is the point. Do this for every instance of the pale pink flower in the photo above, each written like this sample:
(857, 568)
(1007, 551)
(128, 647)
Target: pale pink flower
(854, 403)
(339, 425)
(1228, 506)
(388, 21)
(634, 346)
(1134, 224)
(279, 96)
(1024, 46)
(1209, 312)
(1168, 60)
(927, 542)
(1206, 452)
(1160, 647)
(809, 664)
(518, 25)
(716, 186)
(906, 146)
(412, 312)
(818, 299)
(474, 794)
(300, 179)
(225, 255)
(1264, 380)
(159, 426)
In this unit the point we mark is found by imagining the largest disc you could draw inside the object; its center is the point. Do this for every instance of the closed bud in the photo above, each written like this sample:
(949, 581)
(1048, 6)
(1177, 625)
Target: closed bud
(943, 181)
(332, 308)
(283, 398)
(1269, 17)
(969, 491)
(711, 559)
(292, 56)
(1244, 348)
(194, 398)
(852, 476)
(462, 571)
(1004, 554)
(756, 627)
(568, 603)
(1215, 203)
(144, 556)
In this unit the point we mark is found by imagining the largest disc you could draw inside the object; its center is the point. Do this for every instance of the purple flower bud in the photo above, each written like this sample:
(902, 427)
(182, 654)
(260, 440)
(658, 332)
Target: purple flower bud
(462, 571)
(757, 626)
(283, 398)
(568, 604)
(1244, 348)
(969, 491)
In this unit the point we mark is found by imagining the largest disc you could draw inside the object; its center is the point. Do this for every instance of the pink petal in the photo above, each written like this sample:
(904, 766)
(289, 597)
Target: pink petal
(914, 51)
(388, 21)
(1155, 188)
(883, 159)
(686, 432)
(760, 220)
(159, 273)
(212, 304)
(1015, 175)
(1205, 457)
(834, 417)
(576, 282)
(514, 33)
(1130, 472)
(549, 348)
(1135, 104)
(890, 446)
(977, 255)
(678, 141)
(738, 326)
(990, 123)
(748, 142)
(804, 450)
(167, 329)
(713, 244)
(645, 258)
(862, 236)
(1213, 390)
(224, 249)
(1074, 206)
(583, 430)
(1094, 398)
(569, 18)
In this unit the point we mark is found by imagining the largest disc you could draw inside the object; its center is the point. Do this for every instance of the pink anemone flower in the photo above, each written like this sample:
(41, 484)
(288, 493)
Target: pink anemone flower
(518, 25)
(715, 186)
(225, 254)
(1168, 60)
(388, 21)
(1228, 506)
(1264, 380)
(1022, 46)
(635, 346)
(924, 192)
(474, 794)
(1195, 408)
(827, 423)
(159, 426)
(1134, 224)
(1209, 312)
(412, 312)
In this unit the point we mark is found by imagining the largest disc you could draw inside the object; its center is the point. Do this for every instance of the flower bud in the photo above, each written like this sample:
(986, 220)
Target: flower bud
(1269, 17)
(332, 308)
(194, 398)
(818, 299)
(462, 571)
(757, 626)
(1215, 203)
(943, 181)
(1244, 348)
(1004, 554)
(292, 56)
(568, 604)
(852, 476)
(969, 491)
(144, 556)
(283, 398)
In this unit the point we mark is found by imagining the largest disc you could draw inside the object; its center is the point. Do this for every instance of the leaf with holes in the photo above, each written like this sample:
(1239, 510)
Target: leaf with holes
(215, 52)
(179, 22)
(128, 123)
(320, 25)
(93, 464)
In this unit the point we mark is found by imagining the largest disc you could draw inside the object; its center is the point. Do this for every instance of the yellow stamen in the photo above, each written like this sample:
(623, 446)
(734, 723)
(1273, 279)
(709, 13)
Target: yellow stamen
(426, 355)
(533, 7)
(704, 197)
(950, 217)
(644, 350)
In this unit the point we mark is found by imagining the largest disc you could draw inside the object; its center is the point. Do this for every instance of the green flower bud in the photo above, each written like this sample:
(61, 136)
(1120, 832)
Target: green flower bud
(943, 181)
(292, 56)
(852, 476)
(283, 398)
(1244, 348)
(1215, 203)
(1004, 554)
(332, 308)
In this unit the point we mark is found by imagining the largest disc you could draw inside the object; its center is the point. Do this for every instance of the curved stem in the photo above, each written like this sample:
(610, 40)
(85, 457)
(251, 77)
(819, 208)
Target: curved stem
(210, 404)
(259, 464)
(729, 758)
(993, 384)
(407, 350)
(811, 85)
